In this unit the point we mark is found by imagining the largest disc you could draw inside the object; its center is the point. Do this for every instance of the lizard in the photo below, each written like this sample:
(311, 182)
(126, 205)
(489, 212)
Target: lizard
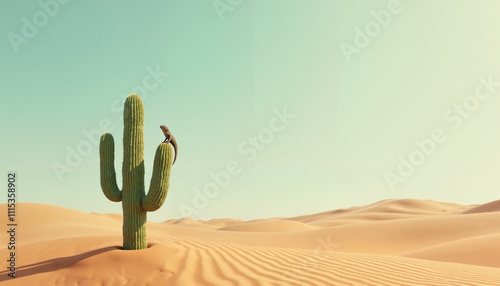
(169, 138)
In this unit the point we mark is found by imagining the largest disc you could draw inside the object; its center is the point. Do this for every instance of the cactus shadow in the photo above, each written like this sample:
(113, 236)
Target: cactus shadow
(53, 264)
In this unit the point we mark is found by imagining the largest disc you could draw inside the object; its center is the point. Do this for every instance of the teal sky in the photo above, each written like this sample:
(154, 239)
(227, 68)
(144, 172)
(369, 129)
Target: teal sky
(219, 77)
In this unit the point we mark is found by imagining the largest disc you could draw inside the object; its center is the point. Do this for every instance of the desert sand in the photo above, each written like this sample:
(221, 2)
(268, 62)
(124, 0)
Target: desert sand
(392, 242)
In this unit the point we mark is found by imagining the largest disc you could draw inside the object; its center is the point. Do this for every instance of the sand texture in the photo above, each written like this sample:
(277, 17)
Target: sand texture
(392, 242)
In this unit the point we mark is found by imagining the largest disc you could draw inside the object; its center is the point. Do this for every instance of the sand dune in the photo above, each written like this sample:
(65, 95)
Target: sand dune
(269, 225)
(393, 242)
(489, 207)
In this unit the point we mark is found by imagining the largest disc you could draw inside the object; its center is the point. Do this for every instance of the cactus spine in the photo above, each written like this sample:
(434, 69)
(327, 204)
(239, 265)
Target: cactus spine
(135, 202)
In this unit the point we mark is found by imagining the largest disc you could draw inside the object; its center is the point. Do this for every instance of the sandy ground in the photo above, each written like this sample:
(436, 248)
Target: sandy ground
(392, 242)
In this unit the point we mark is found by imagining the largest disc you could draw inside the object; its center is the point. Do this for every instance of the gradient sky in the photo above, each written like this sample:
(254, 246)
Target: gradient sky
(218, 77)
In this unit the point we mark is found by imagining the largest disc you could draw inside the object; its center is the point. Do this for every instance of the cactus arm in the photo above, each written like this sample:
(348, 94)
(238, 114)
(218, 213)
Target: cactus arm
(158, 188)
(108, 174)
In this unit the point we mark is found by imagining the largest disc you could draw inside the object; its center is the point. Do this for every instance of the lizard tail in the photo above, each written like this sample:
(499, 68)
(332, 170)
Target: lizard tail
(176, 149)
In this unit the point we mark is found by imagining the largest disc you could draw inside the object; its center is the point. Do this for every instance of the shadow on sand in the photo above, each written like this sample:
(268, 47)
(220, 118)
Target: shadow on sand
(53, 264)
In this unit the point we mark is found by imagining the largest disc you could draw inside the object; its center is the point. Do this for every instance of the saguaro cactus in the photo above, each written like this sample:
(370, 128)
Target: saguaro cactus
(134, 200)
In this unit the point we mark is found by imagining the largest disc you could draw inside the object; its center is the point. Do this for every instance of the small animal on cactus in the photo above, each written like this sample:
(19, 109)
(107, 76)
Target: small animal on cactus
(135, 202)
(169, 138)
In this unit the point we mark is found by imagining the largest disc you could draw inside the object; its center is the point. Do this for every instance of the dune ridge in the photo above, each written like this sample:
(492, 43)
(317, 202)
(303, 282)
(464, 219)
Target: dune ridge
(392, 242)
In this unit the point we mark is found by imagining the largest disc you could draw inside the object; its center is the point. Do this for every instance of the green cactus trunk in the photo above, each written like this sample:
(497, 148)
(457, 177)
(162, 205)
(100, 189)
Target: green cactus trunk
(134, 217)
(135, 202)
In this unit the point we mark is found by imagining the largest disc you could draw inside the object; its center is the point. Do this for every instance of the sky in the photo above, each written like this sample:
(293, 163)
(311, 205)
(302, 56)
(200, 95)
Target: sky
(280, 108)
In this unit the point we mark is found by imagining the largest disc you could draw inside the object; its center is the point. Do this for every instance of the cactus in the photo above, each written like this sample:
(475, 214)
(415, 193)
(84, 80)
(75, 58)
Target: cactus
(135, 202)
